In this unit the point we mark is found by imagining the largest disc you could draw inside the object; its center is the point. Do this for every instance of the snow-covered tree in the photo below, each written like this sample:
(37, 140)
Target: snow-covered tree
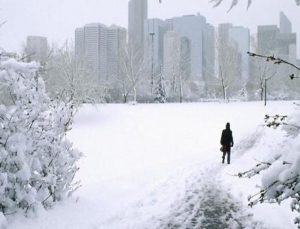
(37, 162)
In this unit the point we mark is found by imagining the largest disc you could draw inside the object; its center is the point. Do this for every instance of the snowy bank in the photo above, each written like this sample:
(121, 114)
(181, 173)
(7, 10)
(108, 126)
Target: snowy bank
(140, 160)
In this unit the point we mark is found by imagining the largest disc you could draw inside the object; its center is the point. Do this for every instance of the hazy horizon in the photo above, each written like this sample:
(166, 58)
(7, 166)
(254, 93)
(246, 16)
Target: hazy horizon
(58, 19)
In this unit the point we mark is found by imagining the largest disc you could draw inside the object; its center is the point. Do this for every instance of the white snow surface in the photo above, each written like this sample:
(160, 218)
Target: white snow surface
(145, 163)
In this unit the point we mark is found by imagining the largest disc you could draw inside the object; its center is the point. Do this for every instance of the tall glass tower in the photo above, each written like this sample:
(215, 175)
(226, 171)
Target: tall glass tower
(137, 16)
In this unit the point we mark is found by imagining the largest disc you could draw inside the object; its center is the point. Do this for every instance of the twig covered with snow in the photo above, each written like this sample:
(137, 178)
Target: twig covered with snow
(280, 173)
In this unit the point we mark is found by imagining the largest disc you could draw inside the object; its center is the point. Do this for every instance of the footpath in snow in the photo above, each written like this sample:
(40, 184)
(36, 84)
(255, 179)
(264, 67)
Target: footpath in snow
(206, 204)
(159, 166)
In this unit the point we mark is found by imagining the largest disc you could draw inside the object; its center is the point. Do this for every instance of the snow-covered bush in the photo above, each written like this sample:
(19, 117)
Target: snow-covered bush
(281, 170)
(37, 162)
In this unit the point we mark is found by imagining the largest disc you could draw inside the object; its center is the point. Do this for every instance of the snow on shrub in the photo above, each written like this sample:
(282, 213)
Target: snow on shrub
(3, 222)
(281, 170)
(37, 162)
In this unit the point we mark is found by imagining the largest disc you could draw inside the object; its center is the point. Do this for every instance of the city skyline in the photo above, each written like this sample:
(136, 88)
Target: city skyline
(184, 49)
(20, 26)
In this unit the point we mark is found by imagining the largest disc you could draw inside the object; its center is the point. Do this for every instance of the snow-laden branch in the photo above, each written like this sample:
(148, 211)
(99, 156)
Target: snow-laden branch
(280, 173)
(216, 3)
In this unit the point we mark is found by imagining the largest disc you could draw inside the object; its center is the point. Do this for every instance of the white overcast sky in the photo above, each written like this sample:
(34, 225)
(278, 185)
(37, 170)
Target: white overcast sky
(57, 19)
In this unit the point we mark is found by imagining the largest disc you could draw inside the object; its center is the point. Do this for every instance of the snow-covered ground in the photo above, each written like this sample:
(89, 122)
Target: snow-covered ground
(159, 166)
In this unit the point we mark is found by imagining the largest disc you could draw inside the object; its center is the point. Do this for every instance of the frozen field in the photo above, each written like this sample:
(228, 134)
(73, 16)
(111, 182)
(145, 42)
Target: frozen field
(158, 165)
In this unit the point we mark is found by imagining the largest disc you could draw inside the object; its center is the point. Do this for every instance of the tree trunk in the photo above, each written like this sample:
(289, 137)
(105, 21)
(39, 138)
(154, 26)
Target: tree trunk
(224, 89)
(261, 94)
(134, 94)
(125, 98)
(180, 89)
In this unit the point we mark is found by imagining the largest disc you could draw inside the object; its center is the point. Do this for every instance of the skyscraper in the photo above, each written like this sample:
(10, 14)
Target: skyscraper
(192, 27)
(101, 48)
(96, 47)
(287, 41)
(267, 39)
(285, 24)
(286, 46)
(79, 43)
(137, 15)
(272, 40)
(91, 47)
(282, 43)
(116, 43)
(223, 34)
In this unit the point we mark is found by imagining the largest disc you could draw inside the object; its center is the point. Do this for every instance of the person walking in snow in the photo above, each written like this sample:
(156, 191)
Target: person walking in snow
(226, 142)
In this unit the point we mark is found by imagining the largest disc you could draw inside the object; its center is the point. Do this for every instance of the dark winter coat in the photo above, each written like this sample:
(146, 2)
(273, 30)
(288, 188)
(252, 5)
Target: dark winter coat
(226, 138)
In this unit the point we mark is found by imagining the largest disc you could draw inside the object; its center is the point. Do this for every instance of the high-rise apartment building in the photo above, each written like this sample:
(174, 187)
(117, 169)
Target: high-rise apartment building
(79, 43)
(36, 48)
(286, 46)
(267, 39)
(101, 48)
(137, 16)
(116, 44)
(223, 34)
(91, 47)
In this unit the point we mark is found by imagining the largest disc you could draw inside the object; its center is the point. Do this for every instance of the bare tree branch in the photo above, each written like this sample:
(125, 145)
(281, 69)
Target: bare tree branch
(275, 60)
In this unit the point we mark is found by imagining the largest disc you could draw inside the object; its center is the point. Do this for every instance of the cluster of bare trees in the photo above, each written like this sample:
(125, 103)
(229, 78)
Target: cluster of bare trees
(133, 67)
(64, 74)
